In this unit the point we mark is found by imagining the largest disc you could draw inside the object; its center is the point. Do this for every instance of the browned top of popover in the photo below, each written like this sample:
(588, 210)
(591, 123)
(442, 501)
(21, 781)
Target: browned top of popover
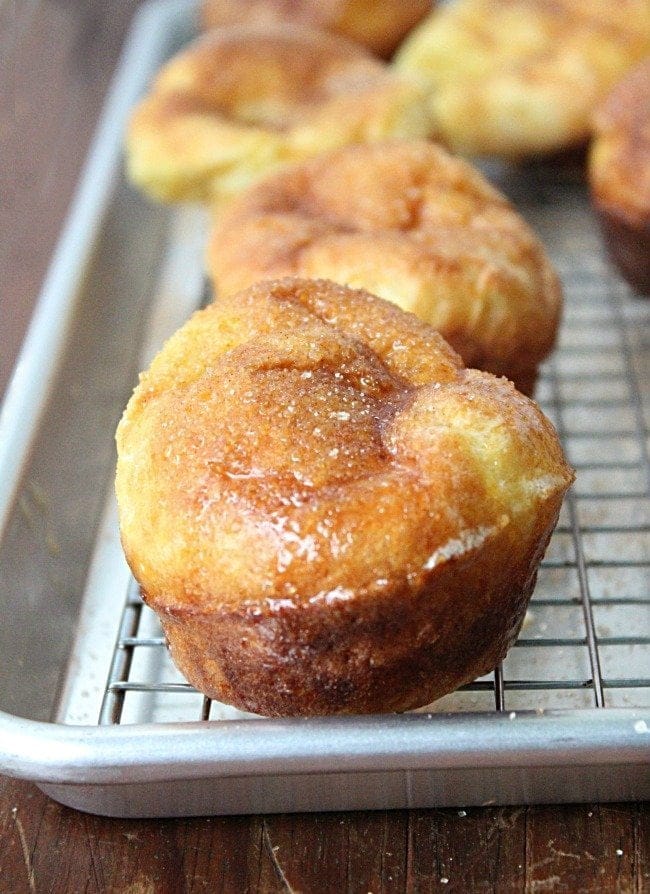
(271, 76)
(379, 25)
(411, 223)
(619, 164)
(301, 441)
(519, 77)
(240, 101)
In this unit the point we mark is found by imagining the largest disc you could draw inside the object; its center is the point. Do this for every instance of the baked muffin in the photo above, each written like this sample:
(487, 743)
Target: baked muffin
(380, 25)
(243, 100)
(619, 175)
(515, 78)
(327, 511)
(412, 224)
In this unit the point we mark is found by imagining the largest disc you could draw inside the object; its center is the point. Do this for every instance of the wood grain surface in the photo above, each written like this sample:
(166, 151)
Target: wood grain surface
(581, 848)
(56, 59)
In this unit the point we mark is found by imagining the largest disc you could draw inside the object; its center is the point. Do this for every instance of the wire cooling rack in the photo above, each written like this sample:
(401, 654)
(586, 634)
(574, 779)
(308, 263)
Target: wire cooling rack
(585, 642)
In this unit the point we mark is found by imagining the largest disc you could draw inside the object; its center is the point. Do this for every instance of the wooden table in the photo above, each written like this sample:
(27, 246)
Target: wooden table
(63, 56)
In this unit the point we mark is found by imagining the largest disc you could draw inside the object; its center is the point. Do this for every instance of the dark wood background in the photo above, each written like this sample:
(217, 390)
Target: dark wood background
(56, 59)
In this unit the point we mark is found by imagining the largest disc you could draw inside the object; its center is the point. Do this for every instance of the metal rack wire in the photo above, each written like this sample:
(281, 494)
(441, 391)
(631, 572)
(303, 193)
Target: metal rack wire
(586, 640)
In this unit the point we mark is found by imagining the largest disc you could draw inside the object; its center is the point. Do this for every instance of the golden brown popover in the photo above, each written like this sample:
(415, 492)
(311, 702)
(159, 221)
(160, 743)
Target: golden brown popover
(412, 224)
(514, 78)
(242, 100)
(327, 511)
(380, 25)
(619, 175)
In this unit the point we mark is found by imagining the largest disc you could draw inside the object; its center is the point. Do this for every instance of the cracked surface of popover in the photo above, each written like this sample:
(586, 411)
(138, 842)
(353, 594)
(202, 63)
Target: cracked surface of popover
(380, 25)
(410, 223)
(243, 100)
(327, 511)
(514, 78)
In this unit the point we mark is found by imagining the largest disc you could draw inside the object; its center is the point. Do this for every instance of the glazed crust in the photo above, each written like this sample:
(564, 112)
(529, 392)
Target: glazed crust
(243, 100)
(515, 78)
(619, 175)
(414, 225)
(327, 511)
(380, 25)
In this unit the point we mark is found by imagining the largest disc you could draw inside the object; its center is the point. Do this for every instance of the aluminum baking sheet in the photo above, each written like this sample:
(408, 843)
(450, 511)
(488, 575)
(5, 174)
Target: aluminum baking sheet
(92, 707)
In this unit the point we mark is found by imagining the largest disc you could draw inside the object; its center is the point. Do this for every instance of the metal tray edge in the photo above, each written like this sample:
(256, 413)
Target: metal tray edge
(66, 759)
(56, 753)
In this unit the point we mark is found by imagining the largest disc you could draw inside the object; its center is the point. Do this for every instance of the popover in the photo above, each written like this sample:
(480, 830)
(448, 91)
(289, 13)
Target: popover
(240, 101)
(619, 175)
(328, 512)
(515, 78)
(380, 25)
(410, 223)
